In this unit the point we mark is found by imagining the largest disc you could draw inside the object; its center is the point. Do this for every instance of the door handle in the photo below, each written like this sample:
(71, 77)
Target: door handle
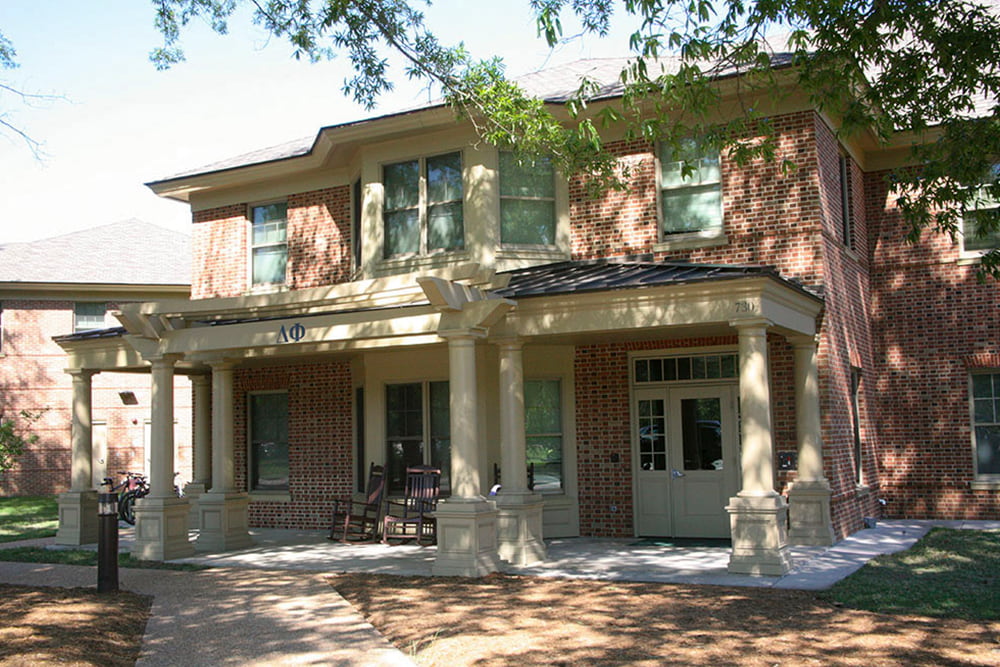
(676, 474)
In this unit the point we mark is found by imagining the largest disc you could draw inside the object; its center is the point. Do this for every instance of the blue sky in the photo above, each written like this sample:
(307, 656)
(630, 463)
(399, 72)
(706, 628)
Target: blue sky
(121, 123)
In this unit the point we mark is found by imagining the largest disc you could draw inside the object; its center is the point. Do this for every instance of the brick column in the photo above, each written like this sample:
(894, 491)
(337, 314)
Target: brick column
(78, 507)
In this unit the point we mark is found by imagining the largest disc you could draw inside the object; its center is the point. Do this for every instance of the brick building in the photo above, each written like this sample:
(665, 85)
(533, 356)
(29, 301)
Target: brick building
(71, 283)
(741, 352)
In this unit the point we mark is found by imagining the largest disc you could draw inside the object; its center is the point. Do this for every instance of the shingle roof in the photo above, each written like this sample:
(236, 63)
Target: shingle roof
(129, 252)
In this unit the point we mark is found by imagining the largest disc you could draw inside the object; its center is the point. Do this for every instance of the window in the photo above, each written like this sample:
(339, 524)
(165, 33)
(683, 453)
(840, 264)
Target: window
(269, 243)
(269, 442)
(356, 223)
(986, 422)
(423, 205)
(527, 201)
(971, 241)
(846, 205)
(88, 316)
(417, 413)
(543, 432)
(690, 190)
(679, 369)
(856, 422)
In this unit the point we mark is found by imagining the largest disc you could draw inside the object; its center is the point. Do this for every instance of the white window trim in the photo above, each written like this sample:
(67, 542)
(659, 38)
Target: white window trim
(686, 240)
(76, 328)
(564, 472)
(986, 481)
(282, 496)
(264, 288)
(518, 248)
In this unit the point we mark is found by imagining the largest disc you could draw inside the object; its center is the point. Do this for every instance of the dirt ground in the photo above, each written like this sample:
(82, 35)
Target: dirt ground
(70, 626)
(505, 620)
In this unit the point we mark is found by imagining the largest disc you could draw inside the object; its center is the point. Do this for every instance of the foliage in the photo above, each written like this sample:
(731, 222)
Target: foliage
(14, 436)
(948, 573)
(28, 517)
(86, 557)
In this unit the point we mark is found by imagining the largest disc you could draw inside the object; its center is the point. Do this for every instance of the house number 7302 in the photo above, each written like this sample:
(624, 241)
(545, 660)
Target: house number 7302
(745, 307)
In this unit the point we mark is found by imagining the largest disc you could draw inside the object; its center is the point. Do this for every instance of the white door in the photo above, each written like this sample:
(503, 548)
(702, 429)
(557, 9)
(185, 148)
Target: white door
(688, 460)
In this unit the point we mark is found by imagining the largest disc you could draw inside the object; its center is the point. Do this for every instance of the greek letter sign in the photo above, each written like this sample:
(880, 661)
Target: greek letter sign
(294, 333)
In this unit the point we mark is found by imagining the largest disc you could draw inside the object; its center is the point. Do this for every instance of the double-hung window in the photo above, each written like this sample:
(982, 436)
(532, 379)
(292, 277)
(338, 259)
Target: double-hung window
(423, 205)
(971, 240)
(88, 316)
(544, 432)
(268, 441)
(527, 201)
(418, 431)
(690, 190)
(986, 423)
(269, 243)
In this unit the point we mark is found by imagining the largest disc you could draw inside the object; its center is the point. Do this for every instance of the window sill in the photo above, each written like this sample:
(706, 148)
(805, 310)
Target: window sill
(985, 485)
(691, 240)
(272, 288)
(270, 497)
(410, 263)
(531, 252)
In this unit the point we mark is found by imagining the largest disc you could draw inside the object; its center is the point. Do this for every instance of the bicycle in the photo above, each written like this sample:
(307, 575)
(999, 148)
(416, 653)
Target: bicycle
(129, 489)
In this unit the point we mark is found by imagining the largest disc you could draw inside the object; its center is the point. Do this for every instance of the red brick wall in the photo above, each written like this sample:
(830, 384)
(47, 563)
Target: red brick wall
(320, 440)
(932, 322)
(33, 378)
(319, 244)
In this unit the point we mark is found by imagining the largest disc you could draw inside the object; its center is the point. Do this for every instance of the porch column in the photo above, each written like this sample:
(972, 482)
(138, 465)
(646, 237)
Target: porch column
(519, 510)
(758, 514)
(161, 517)
(223, 515)
(201, 386)
(78, 507)
(809, 496)
(466, 522)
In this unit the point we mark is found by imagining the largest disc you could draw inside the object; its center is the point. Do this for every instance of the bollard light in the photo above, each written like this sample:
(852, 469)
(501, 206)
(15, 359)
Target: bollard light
(107, 543)
(107, 504)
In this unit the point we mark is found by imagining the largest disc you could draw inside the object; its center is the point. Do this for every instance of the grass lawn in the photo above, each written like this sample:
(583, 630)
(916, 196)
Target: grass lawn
(28, 517)
(86, 557)
(948, 574)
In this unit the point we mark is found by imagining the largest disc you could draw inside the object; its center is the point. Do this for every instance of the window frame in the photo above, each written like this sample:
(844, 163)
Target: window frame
(427, 434)
(857, 453)
(990, 479)
(251, 247)
(689, 238)
(76, 315)
(272, 491)
(561, 434)
(423, 206)
(501, 198)
(846, 230)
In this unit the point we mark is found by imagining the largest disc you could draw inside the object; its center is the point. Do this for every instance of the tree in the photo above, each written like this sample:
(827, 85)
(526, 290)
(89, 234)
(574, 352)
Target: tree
(928, 71)
(14, 437)
(8, 62)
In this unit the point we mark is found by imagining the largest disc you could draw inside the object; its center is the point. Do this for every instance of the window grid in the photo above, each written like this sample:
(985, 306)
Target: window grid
(423, 205)
(986, 422)
(652, 434)
(88, 316)
(269, 243)
(682, 369)
(544, 433)
(527, 201)
(846, 207)
(690, 189)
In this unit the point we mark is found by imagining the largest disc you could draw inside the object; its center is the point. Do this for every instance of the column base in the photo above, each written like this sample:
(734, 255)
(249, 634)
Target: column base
(809, 514)
(192, 492)
(78, 522)
(161, 529)
(224, 521)
(467, 538)
(760, 536)
(519, 528)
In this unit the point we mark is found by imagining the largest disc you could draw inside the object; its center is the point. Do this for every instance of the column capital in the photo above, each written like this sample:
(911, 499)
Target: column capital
(221, 364)
(201, 379)
(81, 373)
(512, 344)
(455, 335)
(164, 360)
(803, 341)
(751, 323)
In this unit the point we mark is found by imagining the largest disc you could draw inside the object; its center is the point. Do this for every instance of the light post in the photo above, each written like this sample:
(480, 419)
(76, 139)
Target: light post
(107, 543)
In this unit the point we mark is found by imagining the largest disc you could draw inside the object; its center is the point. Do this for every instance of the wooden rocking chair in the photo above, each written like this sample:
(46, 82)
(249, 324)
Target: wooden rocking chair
(360, 519)
(412, 518)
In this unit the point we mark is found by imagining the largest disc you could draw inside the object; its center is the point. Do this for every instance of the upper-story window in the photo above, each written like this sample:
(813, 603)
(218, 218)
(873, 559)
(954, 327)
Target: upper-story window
(88, 316)
(423, 205)
(527, 201)
(269, 243)
(690, 189)
(971, 240)
(846, 202)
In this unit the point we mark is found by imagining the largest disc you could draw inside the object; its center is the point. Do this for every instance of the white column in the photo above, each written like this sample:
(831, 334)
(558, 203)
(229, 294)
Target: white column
(809, 495)
(464, 423)
(519, 510)
(758, 515)
(202, 394)
(161, 459)
(78, 507)
(223, 467)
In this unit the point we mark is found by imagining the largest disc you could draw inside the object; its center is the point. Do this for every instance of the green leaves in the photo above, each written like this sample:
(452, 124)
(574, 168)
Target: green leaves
(14, 436)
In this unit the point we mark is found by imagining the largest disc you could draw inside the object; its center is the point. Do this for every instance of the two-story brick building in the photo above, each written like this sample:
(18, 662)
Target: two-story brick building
(740, 352)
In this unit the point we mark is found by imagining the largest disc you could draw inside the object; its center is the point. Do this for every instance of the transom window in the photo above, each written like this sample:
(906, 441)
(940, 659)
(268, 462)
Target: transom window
(544, 432)
(269, 243)
(423, 205)
(417, 413)
(690, 189)
(269, 442)
(678, 369)
(986, 422)
(527, 201)
(88, 316)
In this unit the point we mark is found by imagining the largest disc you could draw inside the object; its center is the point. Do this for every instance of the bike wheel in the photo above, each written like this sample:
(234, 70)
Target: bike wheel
(126, 508)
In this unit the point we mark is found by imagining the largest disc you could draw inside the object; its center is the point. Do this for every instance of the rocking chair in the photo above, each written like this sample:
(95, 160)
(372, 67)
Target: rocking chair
(412, 518)
(357, 518)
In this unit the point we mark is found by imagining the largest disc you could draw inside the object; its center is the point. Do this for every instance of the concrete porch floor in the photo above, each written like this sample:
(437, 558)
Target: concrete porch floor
(815, 568)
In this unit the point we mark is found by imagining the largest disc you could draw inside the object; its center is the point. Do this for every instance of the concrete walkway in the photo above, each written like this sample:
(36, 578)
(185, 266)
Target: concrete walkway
(270, 603)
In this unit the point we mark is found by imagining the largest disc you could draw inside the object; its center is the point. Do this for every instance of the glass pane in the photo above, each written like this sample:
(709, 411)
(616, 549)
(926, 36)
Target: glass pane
(528, 221)
(728, 364)
(642, 371)
(988, 449)
(277, 212)
(712, 368)
(269, 442)
(701, 432)
(542, 412)
(404, 410)
(400, 455)
(692, 210)
(88, 316)
(669, 369)
(441, 458)
(444, 178)
(402, 184)
(684, 368)
(702, 165)
(445, 230)
(698, 368)
(402, 232)
(982, 386)
(984, 411)
(971, 241)
(545, 452)
(656, 370)
(269, 264)
(528, 179)
(269, 232)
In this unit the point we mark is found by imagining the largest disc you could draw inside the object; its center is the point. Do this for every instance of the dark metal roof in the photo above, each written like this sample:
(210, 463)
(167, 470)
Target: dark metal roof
(603, 275)
(92, 334)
